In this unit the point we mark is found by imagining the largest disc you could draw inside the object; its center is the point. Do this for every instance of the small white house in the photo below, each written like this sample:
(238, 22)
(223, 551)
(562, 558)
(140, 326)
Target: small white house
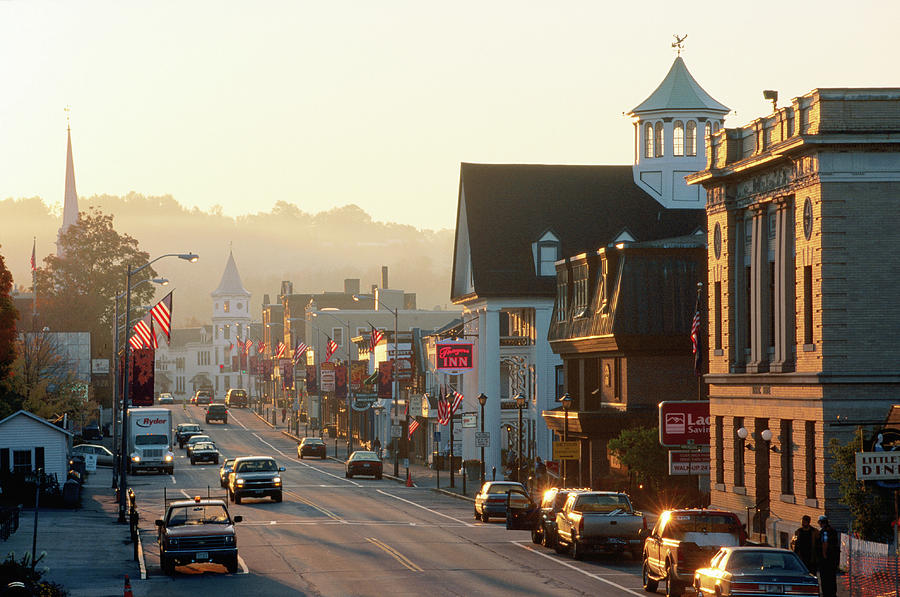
(28, 442)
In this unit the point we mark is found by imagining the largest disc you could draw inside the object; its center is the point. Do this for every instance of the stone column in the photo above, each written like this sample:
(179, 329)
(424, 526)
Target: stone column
(785, 292)
(488, 363)
(759, 293)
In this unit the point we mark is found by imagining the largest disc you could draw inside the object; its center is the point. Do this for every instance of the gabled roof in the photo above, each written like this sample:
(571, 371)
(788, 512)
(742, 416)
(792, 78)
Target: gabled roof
(679, 91)
(231, 281)
(509, 206)
(36, 418)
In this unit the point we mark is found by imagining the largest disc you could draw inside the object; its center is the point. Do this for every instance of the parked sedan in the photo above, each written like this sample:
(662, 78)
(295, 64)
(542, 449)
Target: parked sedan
(104, 456)
(311, 446)
(364, 463)
(491, 499)
(166, 398)
(194, 440)
(226, 468)
(770, 571)
(204, 452)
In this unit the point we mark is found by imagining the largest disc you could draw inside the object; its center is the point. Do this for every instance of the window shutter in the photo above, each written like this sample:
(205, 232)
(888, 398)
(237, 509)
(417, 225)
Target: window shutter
(38, 458)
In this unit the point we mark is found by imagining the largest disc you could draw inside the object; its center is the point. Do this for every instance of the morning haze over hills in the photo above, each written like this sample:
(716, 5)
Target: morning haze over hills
(314, 251)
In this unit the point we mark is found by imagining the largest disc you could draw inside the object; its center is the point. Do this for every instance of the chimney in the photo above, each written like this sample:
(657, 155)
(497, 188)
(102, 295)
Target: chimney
(384, 277)
(287, 287)
(351, 286)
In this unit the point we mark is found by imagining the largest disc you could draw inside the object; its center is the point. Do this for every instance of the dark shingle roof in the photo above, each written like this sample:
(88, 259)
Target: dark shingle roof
(510, 206)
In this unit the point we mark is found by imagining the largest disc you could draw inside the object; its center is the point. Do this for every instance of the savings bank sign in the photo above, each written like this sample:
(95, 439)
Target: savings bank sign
(684, 422)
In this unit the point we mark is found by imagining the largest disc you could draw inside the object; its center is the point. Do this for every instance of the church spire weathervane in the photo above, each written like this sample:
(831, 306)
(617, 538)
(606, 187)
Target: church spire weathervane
(679, 42)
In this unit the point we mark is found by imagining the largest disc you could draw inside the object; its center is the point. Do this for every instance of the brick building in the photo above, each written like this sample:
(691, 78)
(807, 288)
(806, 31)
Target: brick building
(803, 210)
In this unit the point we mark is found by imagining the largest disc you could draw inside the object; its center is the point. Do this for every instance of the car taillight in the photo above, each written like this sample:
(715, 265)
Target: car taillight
(747, 587)
(801, 589)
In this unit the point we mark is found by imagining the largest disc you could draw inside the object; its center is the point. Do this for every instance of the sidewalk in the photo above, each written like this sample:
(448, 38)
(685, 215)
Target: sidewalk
(87, 551)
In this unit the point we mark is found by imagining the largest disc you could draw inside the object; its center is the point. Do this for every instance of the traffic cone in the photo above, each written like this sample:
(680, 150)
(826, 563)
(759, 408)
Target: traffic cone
(128, 592)
(409, 482)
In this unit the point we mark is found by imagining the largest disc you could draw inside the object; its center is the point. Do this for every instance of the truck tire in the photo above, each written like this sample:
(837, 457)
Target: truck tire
(277, 497)
(237, 498)
(232, 565)
(577, 549)
(650, 585)
(559, 547)
(548, 539)
(167, 565)
(485, 518)
(225, 422)
(536, 537)
(673, 587)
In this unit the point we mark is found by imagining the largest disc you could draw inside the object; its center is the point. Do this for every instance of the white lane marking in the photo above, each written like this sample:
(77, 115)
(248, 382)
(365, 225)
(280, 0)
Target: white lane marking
(238, 422)
(318, 470)
(174, 482)
(141, 562)
(185, 494)
(424, 508)
(576, 568)
(244, 569)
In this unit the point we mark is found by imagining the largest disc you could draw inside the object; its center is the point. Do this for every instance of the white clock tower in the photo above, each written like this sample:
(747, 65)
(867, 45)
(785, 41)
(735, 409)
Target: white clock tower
(231, 321)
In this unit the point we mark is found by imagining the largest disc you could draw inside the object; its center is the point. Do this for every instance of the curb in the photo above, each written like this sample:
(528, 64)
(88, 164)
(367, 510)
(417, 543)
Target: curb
(453, 494)
(262, 419)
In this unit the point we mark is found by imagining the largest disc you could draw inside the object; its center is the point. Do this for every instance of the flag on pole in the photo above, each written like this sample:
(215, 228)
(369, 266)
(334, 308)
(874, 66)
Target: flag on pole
(144, 329)
(300, 351)
(456, 399)
(230, 346)
(443, 409)
(330, 348)
(240, 345)
(696, 341)
(376, 337)
(279, 352)
(261, 348)
(33, 256)
(162, 314)
(248, 345)
(413, 425)
(136, 342)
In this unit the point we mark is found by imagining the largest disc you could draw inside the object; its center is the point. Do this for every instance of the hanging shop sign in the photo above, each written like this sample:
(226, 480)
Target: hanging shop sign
(454, 356)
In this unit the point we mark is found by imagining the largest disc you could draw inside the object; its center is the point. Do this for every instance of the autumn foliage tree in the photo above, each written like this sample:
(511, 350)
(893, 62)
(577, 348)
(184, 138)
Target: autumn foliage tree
(76, 291)
(8, 316)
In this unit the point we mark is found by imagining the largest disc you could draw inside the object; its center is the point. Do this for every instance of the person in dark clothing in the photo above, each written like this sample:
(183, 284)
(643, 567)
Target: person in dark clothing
(804, 543)
(828, 550)
(377, 447)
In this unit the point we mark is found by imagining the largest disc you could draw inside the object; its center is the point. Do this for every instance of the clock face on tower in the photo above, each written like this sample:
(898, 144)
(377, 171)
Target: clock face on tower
(807, 218)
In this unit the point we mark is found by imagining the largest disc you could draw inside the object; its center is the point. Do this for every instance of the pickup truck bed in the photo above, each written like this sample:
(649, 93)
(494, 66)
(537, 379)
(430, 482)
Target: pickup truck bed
(599, 521)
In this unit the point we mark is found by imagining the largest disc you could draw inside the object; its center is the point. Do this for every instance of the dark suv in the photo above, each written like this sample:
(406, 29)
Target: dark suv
(236, 398)
(216, 412)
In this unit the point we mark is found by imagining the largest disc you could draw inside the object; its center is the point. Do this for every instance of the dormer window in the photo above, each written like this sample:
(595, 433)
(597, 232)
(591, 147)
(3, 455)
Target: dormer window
(546, 252)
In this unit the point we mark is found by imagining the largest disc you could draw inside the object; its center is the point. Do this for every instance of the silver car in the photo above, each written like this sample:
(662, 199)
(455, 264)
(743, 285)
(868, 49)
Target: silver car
(104, 456)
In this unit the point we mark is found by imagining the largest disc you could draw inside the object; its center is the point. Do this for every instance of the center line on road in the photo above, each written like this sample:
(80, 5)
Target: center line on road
(308, 502)
(395, 554)
(576, 568)
(304, 464)
(396, 497)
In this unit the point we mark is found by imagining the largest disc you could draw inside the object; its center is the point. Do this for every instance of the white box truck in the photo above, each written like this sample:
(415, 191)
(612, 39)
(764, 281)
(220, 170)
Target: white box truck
(150, 440)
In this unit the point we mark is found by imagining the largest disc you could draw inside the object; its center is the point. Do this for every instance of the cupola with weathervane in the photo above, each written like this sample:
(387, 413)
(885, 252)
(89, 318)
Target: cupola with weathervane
(670, 131)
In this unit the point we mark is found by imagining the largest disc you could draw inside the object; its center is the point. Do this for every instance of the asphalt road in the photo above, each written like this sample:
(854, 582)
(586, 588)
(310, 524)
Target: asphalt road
(337, 536)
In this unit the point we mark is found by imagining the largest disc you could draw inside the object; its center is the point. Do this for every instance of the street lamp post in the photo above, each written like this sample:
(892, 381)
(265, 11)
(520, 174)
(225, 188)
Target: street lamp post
(482, 400)
(123, 461)
(115, 359)
(349, 393)
(396, 390)
(566, 404)
(520, 404)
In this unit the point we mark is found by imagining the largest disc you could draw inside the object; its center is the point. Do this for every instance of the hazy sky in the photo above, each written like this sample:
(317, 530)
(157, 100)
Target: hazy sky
(241, 104)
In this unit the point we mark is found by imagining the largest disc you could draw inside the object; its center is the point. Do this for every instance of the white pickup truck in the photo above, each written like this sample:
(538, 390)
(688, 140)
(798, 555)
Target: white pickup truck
(599, 521)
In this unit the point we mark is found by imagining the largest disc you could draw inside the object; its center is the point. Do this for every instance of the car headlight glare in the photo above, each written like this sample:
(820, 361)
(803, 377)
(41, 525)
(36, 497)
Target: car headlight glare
(239, 481)
(277, 480)
(168, 458)
(135, 458)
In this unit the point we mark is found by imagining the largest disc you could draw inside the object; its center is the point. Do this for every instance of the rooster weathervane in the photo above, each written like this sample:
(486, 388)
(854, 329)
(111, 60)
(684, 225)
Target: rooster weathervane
(679, 42)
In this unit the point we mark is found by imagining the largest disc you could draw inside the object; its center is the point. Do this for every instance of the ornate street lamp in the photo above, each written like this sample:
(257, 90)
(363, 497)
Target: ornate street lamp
(482, 400)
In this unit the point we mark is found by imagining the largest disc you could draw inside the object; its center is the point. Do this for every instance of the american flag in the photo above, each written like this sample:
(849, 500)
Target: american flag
(248, 345)
(300, 351)
(696, 341)
(377, 336)
(443, 409)
(144, 329)
(413, 425)
(261, 348)
(162, 314)
(136, 342)
(330, 349)
(456, 398)
(230, 346)
(33, 260)
(279, 352)
(240, 345)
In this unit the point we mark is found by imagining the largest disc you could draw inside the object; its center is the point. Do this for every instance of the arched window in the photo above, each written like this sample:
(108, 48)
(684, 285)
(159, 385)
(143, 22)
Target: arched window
(648, 140)
(658, 141)
(678, 138)
(708, 129)
(715, 127)
(690, 137)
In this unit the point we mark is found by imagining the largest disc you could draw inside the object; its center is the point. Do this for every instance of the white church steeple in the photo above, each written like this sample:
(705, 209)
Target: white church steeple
(670, 130)
(70, 203)
(230, 322)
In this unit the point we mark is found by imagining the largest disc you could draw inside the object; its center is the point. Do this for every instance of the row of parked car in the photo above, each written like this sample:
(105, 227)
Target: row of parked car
(700, 548)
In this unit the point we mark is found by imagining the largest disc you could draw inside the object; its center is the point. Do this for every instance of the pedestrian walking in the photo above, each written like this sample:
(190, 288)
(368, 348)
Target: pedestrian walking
(804, 543)
(377, 446)
(283, 414)
(829, 554)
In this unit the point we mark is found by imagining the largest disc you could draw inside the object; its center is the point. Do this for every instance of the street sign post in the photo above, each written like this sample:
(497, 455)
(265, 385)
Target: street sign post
(482, 439)
(396, 430)
(570, 450)
(688, 462)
